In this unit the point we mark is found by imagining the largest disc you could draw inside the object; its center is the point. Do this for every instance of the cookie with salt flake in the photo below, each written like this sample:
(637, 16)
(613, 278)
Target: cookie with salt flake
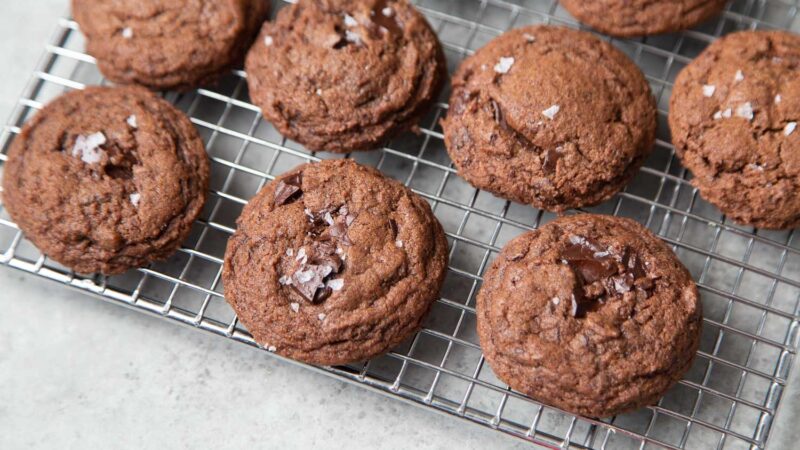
(344, 75)
(168, 44)
(642, 17)
(733, 116)
(106, 179)
(333, 263)
(551, 117)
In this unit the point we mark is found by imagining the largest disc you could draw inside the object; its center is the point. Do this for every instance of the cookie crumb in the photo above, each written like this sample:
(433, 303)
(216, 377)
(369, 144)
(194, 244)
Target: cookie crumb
(127, 33)
(131, 120)
(739, 76)
(504, 65)
(295, 306)
(551, 112)
(745, 110)
(268, 41)
(135, 197)
(789, 129)
(708, 90)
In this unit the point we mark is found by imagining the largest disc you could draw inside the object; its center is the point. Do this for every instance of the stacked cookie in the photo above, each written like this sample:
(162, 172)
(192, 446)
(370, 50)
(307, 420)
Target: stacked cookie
(332, 262)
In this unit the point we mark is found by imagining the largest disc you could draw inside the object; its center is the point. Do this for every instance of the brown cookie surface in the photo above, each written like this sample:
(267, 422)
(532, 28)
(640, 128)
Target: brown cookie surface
(592, 314)
(333, 263)
(106, 179)
(733, 115)
(642, 17)
(167, 44)
(341, 75)
(551, 117)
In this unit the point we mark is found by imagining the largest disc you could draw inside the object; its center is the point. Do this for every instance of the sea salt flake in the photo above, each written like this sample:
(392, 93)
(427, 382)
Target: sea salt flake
(295, 306)
(529, 37)
(301, 254)
(321, 316)
(757, 167)
(739, 76)
(319, 91)
(268, 41)
(353, 37)
(131, 120)
(387, 11)
(551, 112)
(778, 99)
(398, 243)
(127, 33)
(88, 147)
(271, 348)
(285, 280)
(336, 284)
(135, 197)
(350, 21)
(708, 90)
(789, 129)
(722, 114)
(304, 276)
(328, 218)
(289, 252)
(504, 65)
(745, 110)
(555, 300)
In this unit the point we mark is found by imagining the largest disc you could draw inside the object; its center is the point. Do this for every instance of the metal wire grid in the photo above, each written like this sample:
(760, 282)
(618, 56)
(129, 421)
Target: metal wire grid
(750, 280)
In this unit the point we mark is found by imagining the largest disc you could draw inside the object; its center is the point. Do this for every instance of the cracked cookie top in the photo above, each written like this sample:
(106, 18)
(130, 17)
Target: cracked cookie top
(344, 75)
(733, 115)
(549, 116)
(166, 44)
(333, 263)
(106, 179)
(592, 314)
(642, 17)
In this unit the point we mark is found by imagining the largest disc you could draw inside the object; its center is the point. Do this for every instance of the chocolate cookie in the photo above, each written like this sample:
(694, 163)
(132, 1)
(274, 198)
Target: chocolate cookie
(642, 17)
(333, 263)
(106, 179)
(591, 314)
(733, 114)
(549, 116)
(342, 75)
(168, 44)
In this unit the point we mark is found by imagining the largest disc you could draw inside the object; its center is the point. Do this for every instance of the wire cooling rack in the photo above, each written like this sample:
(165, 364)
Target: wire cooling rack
(749, 279)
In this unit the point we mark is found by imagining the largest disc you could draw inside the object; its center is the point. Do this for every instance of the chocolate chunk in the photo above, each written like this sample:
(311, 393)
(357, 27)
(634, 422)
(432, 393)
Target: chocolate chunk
(498, 116)
(592, 270)
(385, 17)
(551, 157)
(288, 189)
(393, 226)
(322, 294)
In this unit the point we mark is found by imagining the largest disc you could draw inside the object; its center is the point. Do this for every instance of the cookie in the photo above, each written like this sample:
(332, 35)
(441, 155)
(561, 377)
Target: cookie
(334, 263)
(733, 115)
(591, 314)
(551, 117)
(626, 18)
(342, 75)
(106, 179)
(168, 44)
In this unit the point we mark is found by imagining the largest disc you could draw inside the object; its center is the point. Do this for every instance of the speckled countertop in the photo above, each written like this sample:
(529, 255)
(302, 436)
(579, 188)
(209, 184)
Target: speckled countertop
(79, 373)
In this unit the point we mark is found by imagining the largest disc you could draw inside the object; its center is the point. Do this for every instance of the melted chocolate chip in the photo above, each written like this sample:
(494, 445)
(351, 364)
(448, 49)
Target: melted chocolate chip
(498, 116)
(393, 226)
(388, 21)
(551, 157)
(288, 189)
(600, 273)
